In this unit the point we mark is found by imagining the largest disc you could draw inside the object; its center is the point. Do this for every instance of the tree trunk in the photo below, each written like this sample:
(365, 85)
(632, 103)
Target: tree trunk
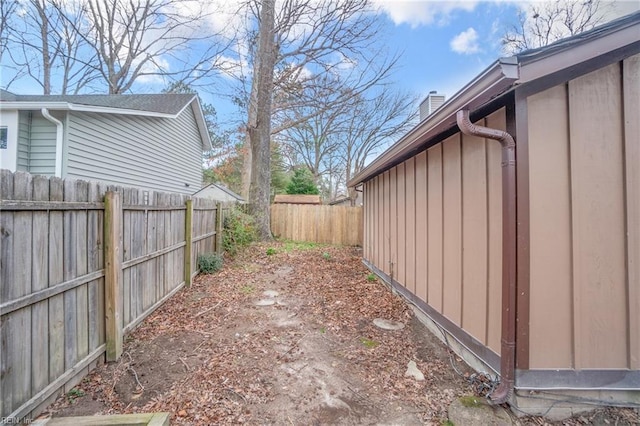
(260, 134)
(46, 57)
(246, 167)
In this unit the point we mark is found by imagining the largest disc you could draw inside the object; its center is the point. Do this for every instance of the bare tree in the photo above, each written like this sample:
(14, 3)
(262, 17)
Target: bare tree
(7, 11)
(133, 40)
(371, 125)
(45, 47)
(546, 22)
(259, 123)
(311, 39)
(315, 138)
(339, 138)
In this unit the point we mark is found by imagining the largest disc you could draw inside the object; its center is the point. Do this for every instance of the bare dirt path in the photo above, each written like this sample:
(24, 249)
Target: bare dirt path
(311, 355)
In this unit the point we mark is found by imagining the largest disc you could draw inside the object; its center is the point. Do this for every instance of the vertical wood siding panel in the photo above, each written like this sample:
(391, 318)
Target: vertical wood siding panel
(452, 202)
(631, 85)
(410, 226)
(380, 222)
(494, 222)
(474, 237)
(421, 257)
(385, 223)
(400, 243)
(366, 208)
(435, 227)
(373, 209)
(550, 218)
(597, 180)
(368, 211)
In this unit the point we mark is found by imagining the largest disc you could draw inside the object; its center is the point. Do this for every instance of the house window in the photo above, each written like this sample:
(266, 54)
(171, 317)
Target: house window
(3, 138)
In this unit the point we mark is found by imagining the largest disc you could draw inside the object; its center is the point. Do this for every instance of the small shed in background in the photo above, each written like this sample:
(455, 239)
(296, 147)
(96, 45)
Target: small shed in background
(218, 192)
(527, 255)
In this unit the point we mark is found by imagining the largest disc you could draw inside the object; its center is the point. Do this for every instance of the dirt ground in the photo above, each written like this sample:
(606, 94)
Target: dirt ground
(311, 355)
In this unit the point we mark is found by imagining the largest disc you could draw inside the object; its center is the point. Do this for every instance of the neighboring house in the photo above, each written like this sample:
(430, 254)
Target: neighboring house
(148, 141)
(542, 284)
(296, 199)
(344, 200)
(220, 193)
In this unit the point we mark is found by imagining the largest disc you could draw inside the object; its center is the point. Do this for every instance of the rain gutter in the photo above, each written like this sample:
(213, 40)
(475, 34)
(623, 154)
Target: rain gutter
(59, 139)
(491, 83)
(509, 246)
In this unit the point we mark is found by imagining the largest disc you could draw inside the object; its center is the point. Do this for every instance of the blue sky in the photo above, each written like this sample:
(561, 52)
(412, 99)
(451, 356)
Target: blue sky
(443, 44)
(445, 50)
(447, 43)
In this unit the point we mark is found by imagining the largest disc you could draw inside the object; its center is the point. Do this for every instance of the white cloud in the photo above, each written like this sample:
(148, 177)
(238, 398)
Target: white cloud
(422, 12)
(466, 42)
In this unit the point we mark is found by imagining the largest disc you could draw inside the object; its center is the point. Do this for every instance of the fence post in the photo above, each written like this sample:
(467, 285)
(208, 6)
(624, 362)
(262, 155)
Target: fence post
(218, 228)
(189, 242)
(113, 273)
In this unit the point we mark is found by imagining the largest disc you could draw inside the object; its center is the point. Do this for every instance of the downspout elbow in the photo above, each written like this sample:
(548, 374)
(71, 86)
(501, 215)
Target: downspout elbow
(509, 235)
(467, 127)
(59, 138)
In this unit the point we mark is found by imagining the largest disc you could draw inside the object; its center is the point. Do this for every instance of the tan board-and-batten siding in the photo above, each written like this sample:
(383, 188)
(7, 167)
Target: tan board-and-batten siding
(584, 184)
(54, 303)
(434, 225)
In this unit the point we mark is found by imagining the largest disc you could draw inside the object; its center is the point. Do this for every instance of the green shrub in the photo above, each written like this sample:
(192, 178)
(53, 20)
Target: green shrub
(371, 277)
(271, 251)
(208, 263)
(239, 231)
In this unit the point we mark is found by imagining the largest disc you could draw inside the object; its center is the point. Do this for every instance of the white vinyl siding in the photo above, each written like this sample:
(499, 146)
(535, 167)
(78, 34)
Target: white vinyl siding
(24, 129)
(42, 158)
(147, 152)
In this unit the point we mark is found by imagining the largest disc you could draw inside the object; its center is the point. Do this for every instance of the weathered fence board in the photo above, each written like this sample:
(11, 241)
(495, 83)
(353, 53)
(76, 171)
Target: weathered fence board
(60, 288)
(340, 225)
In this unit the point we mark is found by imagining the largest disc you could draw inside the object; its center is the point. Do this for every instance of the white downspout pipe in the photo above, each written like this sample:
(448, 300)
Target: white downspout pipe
(59, 138)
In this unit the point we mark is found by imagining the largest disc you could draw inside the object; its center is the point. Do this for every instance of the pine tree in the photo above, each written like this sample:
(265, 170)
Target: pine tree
(302, 182)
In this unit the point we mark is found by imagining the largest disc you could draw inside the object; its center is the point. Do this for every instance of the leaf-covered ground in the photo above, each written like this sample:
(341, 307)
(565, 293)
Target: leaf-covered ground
(210, 355)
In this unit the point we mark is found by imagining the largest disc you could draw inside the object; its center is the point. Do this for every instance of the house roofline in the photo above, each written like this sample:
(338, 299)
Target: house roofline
(70, 106)
(494, 80)
(222, 188)
(207, 145)
(502, 76)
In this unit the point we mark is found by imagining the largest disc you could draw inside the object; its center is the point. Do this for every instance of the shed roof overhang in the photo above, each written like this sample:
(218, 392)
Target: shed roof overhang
(502, 77)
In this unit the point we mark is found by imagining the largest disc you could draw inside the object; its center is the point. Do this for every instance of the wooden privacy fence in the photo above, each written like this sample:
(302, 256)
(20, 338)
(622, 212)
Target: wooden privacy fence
(317, 223)
(81, 264)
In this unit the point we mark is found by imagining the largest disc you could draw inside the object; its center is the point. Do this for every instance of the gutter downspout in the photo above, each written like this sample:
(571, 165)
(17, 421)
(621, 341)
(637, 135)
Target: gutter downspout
(509, 235)
(59, 138)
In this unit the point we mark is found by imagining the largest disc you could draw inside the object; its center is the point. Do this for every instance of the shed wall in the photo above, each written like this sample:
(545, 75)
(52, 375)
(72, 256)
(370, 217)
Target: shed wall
(585, 221)
(434, 225)
(584, 188)
(146, 152)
